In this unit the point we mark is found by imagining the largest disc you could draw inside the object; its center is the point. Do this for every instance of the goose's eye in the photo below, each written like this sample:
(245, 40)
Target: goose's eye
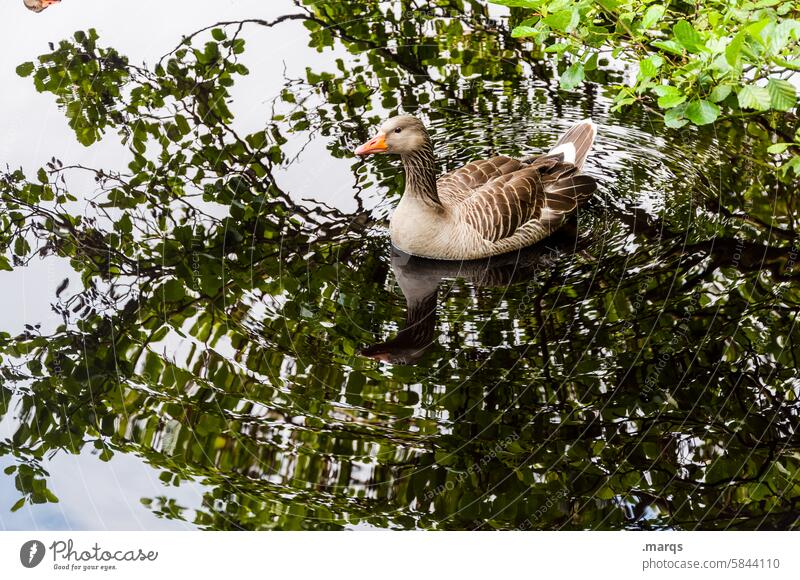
(398, 129)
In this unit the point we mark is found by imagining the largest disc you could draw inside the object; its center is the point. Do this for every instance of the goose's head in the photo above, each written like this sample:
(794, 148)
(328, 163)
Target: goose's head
(400, 135)
(39, 5)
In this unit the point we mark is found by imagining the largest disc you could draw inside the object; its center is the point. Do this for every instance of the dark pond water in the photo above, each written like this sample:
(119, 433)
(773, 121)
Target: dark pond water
(236, 324)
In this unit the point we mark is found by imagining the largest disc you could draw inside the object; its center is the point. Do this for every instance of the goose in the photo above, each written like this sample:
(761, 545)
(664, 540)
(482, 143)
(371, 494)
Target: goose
(488, 207)
(39, 5)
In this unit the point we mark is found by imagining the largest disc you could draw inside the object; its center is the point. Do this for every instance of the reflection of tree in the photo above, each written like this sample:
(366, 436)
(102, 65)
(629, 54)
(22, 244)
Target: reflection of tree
(266, 400)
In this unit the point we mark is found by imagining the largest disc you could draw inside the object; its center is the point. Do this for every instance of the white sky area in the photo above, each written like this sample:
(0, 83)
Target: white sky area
(33, 129)
(94, 494)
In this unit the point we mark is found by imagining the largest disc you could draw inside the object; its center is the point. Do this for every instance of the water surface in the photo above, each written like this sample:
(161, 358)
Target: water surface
(238, 331)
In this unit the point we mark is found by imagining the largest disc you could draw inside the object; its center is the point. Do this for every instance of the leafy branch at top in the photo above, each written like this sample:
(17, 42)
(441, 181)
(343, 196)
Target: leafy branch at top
(694, 59)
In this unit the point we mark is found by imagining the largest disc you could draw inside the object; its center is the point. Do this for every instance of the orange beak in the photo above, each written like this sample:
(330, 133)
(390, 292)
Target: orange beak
(47, 3)
(375, 145)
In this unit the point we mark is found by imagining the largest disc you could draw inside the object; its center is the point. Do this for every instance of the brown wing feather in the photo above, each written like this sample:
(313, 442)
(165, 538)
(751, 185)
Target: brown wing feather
(460, 184)
(566, 193)
(547, 189)
(501, 206)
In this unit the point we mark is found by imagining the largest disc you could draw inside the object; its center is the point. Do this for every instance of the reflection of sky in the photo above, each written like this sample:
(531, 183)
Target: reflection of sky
(94, 494)
(144, 31)
(32, 129)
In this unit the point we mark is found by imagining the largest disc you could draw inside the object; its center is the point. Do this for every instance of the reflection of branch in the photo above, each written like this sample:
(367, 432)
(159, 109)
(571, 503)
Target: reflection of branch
(771, 229)
(402, 59)
(752, 255)
(259, 21)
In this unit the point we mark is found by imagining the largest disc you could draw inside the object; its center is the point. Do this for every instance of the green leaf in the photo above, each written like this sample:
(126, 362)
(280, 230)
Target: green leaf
(559, 48)
(674, 117)
(25, 69)
(647, 68)
(20, 502)
(687, 36)
(792, 165)
(669, 46)
(518, 3)
(754, 29)
(124, 224)
(664, 90)
(782, 94)
(563, 20)
(734, 49)
(572, 77)
(669, 96)
(778, 148)
(524, 31)
(753, 97)
(671, 101)
(4, 265)
(777, 37)
(701, 112)
(720, 93)
(652, 15)
(218, 34)
(610, 5)
(174, 291)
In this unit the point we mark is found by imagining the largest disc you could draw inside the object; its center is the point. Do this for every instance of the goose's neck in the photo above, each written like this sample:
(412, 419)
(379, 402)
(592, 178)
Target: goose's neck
(420, 166)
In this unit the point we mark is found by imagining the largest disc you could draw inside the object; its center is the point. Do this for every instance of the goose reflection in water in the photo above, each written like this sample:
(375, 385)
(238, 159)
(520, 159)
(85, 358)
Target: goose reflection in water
(419, 280)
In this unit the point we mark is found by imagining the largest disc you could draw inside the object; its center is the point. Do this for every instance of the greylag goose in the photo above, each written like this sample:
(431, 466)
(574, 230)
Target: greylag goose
(419, 280)
(39, 5)
(488, 207)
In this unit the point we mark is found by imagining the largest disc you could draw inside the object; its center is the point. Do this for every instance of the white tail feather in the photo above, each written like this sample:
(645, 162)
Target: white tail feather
(576, 142)
(567, 149)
